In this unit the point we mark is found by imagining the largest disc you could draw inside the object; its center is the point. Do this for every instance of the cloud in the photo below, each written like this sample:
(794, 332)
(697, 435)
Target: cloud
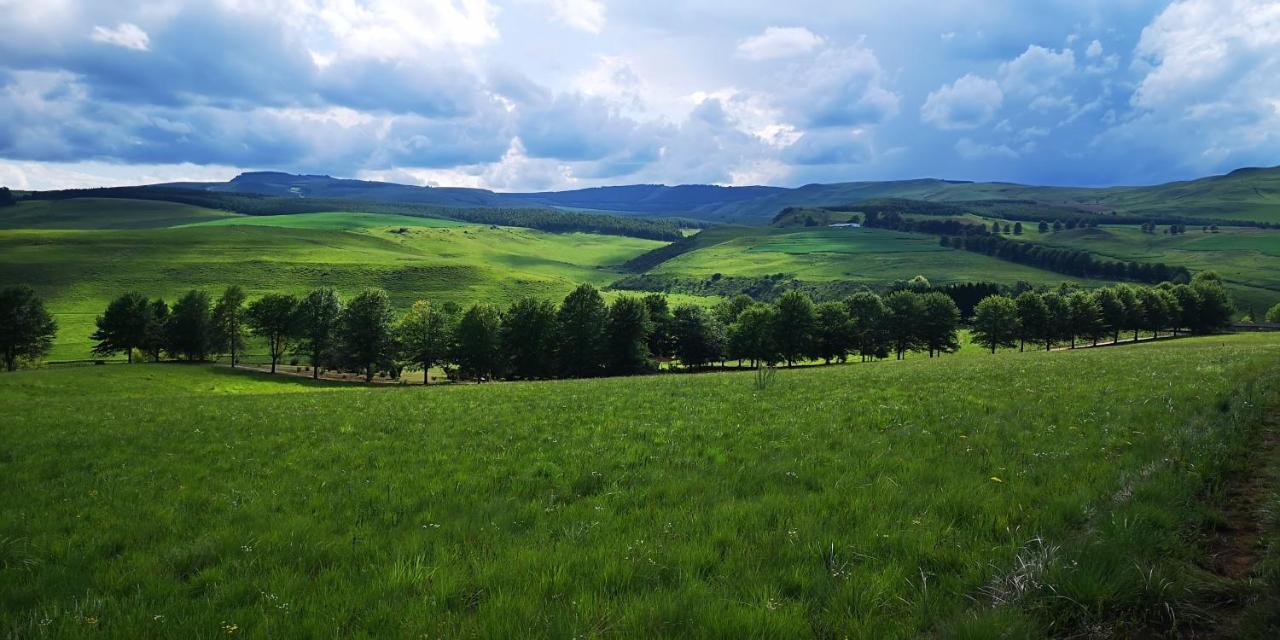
(126, 35)
(779, 42)
(969, 102)
(843, 87)
(1038, 70)
(970, 150)
(587, 15)
(1094, 50)
(830, 146)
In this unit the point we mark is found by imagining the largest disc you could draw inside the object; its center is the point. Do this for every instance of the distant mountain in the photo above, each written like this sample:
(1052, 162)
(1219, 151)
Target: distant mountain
(1250, 194)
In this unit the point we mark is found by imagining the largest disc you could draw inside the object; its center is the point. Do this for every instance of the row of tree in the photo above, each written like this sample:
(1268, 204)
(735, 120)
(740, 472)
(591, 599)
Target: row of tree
(1201, 306)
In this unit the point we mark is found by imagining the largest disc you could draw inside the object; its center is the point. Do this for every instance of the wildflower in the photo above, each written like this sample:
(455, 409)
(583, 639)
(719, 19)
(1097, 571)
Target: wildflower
(995, 479)
(91, 620)
(230, 628)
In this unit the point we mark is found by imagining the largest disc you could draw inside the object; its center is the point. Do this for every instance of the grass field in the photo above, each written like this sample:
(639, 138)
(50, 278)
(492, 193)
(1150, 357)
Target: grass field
(99, 213)
(860, 255)
(1247, 259)
(79, 270)
(963, 496)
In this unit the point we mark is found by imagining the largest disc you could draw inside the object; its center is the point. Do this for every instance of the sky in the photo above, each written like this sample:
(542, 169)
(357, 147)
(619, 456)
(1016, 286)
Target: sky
(524, 95)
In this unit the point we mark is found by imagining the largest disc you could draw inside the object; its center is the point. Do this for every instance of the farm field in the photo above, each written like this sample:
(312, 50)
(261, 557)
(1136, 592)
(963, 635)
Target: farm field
(1247, 259)
(859, 255)
(868, 500)
(79, 270)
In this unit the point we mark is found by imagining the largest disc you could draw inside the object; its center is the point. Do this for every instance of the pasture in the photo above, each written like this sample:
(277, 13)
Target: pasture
(858, 255)
(79, 270)
(968, 497)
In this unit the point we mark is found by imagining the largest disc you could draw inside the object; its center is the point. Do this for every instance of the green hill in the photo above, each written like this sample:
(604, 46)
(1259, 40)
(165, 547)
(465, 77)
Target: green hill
(889, 500)
(105, 213)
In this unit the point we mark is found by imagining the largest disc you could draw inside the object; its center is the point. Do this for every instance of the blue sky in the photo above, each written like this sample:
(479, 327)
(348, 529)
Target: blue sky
(553, 94)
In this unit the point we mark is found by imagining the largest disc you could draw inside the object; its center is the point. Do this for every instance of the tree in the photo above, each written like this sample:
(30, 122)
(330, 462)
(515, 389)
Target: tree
(1134, 316)
(580, 326)
(156, 336)
(6, 197)
(366, 333)
(1033, 318)
(919, 284)
(750, 337)
(190, 326)
(660, 315)
(528, 338)
(939, 322)
(1189, 303)
(317, 329)
(903, 321)
(229, 323)
(1085, 317)
(1215, 308)
(477, 345)
(123, 326)
(726, 312)
(867, 313)
(699, 339)
(627, 336)
(995, 323)
(1017, 228)
(26, 328)
(1059, 318)
(1273, 315)
(424, 338)
(1111, 310)
(831, 332)
(794, 325)
(1155, 310)
(1043, 227)
(275, 318)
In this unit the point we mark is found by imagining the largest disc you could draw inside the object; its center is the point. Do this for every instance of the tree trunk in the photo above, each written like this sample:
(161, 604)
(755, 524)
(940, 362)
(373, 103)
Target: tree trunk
(993, 347)
(273, 362)
(426, 373)
(129, 354)
(368, 374)
(1022, 345)
(315, 370)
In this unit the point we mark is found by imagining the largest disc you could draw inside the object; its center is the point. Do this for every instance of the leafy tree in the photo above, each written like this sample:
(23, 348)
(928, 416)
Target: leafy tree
(1112, 311)
(190, 326)
(750, 337)
(580, 327)
(1134, 316)
(1017, 228)
(939, 323)
(1273, 315)
(1044, 227)
(919, 284)
(699, 339)
(1215, 308)
(26, 328)
(660, 339)
(229, 323)
(831, 332)
(1033, 318)
(156, 337)
(906, 309)
(424, 337)
(1155, 310)
(123, 326)
(627, 336)
(1085, 317)
(726, 312)
(366, 333)
(7, 199)
(478, 343)
(794, 326)
(995, 323)
(867, 313)
(528, 338)
(275, 318)
(1059, 316)
(317, 329)
(1189, 303)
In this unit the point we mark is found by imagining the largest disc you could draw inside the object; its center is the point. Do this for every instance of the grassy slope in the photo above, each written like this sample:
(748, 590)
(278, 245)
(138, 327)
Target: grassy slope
(78, 271)
(854, 501)
(868, 255)
(1248, 259)
(333, 221)
(105, 213)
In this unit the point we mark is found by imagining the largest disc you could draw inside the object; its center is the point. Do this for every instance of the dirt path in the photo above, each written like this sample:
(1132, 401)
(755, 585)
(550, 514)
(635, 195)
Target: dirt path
(1238, 545)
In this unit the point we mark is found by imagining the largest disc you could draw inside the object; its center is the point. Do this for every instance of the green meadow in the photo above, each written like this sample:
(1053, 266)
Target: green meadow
(858, 255)
(78, 270)
(1006, 496)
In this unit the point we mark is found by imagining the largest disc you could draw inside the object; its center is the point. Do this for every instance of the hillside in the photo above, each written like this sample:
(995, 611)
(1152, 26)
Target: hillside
(890, 500)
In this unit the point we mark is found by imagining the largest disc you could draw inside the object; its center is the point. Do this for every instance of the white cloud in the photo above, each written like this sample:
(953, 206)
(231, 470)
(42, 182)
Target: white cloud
(126, 34)
(841, 88)
(1094, 50)
(587, 15)
(969, 102)
(92, 174)
(1036, 71)
(779, 42)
